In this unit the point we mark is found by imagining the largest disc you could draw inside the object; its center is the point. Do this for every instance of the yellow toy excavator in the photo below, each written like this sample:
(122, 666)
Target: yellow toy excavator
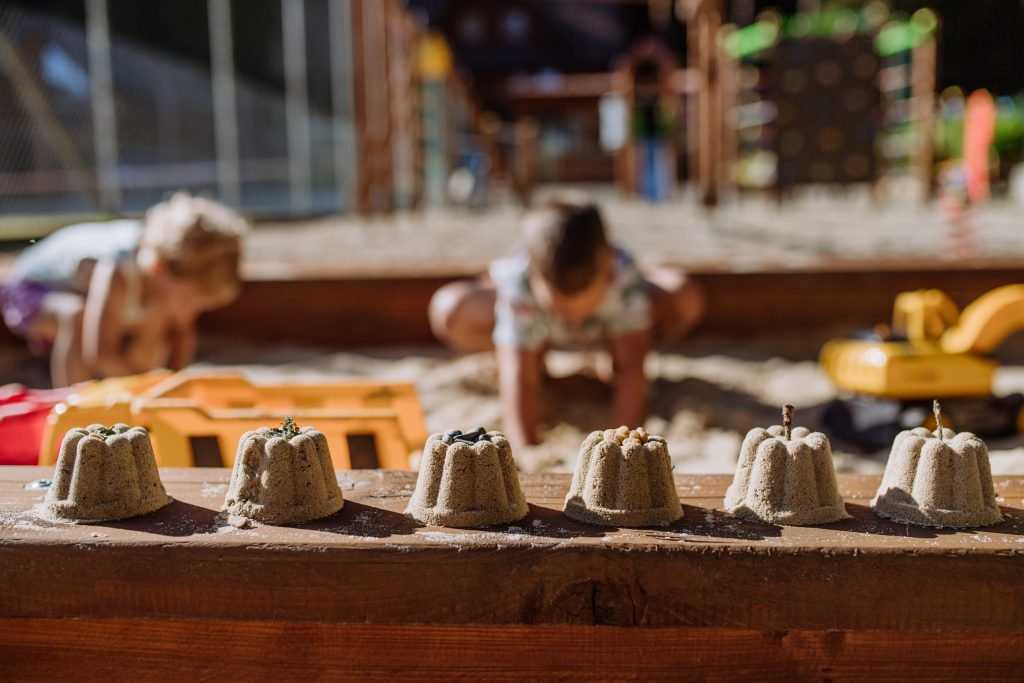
(932, 350)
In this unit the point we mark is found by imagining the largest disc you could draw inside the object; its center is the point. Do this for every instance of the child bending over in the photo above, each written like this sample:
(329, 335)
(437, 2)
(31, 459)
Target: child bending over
(122, 297)
(568, 288)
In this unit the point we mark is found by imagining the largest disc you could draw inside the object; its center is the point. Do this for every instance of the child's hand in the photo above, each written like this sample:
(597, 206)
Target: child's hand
(629, 404)
(519, 376)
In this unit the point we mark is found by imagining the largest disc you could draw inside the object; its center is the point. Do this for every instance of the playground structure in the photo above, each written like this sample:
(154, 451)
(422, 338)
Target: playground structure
(374, 113)
(836, 98)
(404, 127)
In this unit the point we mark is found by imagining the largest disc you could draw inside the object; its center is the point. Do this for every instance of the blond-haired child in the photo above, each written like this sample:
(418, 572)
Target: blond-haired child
(567, 288)
(122, 297)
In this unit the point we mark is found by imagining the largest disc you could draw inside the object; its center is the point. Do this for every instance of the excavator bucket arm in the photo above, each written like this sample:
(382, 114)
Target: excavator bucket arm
(987, 321)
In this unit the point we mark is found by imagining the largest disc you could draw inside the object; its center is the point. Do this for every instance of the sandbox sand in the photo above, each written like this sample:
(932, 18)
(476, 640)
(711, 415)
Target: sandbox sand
(750, 234)
(704, 398)
(817, 227)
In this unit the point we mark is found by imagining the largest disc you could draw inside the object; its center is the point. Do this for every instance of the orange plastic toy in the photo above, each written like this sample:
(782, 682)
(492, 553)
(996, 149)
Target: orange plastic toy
(197, 419)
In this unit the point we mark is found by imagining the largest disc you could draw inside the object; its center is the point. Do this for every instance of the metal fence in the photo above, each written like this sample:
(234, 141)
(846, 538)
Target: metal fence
(91, 121)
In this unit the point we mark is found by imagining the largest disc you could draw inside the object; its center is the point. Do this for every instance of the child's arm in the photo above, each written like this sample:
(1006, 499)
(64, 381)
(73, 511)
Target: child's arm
(519, 371)
(629, 402)
(102, 327)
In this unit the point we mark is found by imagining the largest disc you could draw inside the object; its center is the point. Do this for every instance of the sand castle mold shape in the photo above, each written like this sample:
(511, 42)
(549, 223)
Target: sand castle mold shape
(105, 474)
(782, 480)
(283, 477)
(936, 482)
(467, 481)
(623, 477)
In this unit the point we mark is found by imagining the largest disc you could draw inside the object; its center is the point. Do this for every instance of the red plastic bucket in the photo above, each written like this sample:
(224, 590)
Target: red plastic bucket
(23, 414)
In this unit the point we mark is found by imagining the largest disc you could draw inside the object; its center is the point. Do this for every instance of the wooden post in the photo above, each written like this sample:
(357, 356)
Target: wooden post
(293, 38)
(524, 175)
(343, 119)
(412, 91)
(225, 114)
(361, 189)
(375, 189)
(489, 126)
(728, 89)
(922, 93)
(104, 117)
(704, 48)
(669, 96)
(625, 157)
(401, 41)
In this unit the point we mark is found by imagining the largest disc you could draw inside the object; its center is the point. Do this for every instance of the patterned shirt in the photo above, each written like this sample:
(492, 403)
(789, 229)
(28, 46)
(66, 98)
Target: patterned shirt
(54, 261)
(520, 320)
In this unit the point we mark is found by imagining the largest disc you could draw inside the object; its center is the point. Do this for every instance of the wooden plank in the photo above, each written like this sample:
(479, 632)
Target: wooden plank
(345, 311)
(322, 308)
(325, 307)
(371, 564)
(119, 649)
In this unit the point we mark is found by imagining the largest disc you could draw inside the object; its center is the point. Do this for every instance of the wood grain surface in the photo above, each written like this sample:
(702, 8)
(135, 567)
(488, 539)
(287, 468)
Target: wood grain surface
(392, 308)
(144, 649)
(370, 564)
(371, 309)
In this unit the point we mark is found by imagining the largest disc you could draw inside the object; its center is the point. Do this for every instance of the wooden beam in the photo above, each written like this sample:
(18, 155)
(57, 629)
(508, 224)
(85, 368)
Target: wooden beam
(703, 35)
(104, 109)
(324, 307)
(560, 87)
(225, 109)
(370, 564)
(119, 649)
(922, 104)
(293, 42)
(343, 103)
(370, 593)
(375, 189)
(318, 307)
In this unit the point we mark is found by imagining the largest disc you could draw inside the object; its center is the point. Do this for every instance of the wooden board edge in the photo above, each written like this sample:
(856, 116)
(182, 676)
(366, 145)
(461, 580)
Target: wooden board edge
(155, 650)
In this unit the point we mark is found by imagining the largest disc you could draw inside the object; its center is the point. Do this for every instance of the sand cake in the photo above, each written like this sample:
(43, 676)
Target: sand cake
(467, 480)
(105, 473)
(283, 476)
(939, 479)
(623, 477)
(785, 475)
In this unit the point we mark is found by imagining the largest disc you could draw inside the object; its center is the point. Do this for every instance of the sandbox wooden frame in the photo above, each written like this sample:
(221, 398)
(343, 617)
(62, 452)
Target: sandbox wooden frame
(370, 594)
